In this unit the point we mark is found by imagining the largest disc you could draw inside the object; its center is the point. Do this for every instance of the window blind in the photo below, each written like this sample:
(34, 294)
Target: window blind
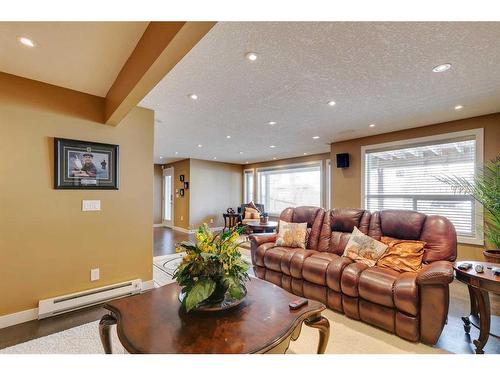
(248, 185)
(279, 188)
(405, 178)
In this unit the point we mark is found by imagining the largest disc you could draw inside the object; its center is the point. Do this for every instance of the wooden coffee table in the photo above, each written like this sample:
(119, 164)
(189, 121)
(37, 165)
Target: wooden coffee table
(257, 227)
(154, 322)
(480, 284)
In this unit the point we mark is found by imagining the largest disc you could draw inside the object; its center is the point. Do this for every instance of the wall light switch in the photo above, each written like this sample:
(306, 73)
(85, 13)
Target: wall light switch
(94, 205)
(182, 218)
(94, 274)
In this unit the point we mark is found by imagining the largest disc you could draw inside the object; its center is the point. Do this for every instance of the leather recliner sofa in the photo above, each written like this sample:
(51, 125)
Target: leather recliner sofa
(413, 305)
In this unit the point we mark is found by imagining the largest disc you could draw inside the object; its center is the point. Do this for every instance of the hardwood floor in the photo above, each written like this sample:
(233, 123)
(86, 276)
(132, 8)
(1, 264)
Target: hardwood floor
(453, 338)
(165, 239)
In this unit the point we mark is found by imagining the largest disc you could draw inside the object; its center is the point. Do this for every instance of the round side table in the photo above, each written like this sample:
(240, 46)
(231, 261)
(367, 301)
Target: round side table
(480, 284)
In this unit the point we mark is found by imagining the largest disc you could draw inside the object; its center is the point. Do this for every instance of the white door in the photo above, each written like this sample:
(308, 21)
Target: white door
(168, 197)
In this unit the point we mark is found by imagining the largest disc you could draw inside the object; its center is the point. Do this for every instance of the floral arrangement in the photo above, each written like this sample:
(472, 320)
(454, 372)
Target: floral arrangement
(212, 270)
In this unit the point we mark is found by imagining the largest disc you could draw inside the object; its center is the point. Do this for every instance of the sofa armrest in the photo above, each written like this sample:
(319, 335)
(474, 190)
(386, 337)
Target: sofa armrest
(256, 241)
(439, 272)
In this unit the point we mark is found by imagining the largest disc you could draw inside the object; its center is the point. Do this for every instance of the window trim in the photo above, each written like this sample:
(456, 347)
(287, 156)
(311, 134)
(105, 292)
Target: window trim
(478, 135)
(319, 162)
(252, 172)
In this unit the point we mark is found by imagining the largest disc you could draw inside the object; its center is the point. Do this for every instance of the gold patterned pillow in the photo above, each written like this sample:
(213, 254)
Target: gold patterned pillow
(251, 213)
(364, 249)
(402, 255)
(291, 234)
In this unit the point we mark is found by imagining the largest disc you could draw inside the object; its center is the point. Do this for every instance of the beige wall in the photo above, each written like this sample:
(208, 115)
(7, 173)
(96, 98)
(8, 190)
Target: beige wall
(181, 204)
(157, 194)
(214, 188)
(47, 244)
(346, 183)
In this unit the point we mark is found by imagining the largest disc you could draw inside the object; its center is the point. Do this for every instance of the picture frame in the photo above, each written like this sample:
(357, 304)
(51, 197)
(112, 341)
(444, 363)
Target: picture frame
(186, 185)
(181, 178)
(181, 192)
(85, 165)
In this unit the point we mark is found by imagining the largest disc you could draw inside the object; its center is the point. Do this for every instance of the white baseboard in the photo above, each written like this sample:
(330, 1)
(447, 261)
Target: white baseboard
(147, 285)
(32, 314)
(18, 317)
(158, 225)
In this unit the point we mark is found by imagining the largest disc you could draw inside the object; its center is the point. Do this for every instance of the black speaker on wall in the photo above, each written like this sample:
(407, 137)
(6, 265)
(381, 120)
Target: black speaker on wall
(342, 160)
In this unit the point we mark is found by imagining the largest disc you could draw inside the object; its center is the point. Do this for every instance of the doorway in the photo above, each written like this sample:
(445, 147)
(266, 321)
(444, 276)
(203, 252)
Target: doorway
(168, 197)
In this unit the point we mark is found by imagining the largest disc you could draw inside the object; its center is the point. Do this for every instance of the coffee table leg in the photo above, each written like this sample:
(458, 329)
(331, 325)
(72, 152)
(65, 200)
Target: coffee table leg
(323, 325)
(104, 326)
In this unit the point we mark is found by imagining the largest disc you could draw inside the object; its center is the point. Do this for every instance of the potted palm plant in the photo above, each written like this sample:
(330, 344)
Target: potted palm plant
(485, 188)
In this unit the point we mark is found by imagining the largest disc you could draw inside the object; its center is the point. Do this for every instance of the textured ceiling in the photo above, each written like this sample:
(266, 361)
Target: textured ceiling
(376, 72)
(83, 56)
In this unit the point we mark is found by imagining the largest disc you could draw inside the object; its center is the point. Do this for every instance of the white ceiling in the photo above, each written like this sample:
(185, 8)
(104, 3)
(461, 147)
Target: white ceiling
(376, 72)
(83, 56)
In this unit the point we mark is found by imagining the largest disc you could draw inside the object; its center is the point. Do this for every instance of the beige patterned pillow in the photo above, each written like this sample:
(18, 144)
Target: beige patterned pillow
(364, 249)
(292, 234)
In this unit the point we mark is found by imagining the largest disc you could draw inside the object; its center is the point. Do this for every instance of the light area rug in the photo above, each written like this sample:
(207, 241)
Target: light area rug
(347, 336)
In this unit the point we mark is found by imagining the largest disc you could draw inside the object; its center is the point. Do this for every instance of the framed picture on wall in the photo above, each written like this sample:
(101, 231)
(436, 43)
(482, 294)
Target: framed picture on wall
(85, 165)
(181, 178)
(186, 185)
(181, 192)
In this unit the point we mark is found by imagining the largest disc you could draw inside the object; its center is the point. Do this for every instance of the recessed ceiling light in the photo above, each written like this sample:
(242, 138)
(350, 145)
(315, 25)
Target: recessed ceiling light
(241, 152)
(315, 137)
(176, 152)
(274, 158)
(161, 157)
(215, 158)
(272, 146)
(331, 103)
(193, 96)
(371, 125)
(26, 41)
(246, 162)
(441, 68)
(272, 123)
(200, 146)
(305, 153)
(252, 56)
(458, 107)
(228, 136)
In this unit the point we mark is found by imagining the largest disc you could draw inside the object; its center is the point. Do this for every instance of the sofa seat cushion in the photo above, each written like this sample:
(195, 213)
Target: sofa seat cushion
(261, 251)
(315, 267)
(350, 279)
(376, 285)
(273, 257)
(334, 272)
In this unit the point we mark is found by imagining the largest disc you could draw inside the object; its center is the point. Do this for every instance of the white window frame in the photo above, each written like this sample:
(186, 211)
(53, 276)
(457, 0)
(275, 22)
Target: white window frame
(478, 134)
(249, 171)
(319, 163)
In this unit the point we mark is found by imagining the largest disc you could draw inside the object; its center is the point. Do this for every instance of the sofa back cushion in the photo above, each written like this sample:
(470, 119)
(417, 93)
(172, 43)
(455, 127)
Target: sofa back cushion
(313, 216)
(436, 231)
(338, 226)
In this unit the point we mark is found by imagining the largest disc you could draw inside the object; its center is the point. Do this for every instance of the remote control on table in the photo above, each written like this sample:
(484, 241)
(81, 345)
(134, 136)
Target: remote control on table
(297, 304)
(465, 266)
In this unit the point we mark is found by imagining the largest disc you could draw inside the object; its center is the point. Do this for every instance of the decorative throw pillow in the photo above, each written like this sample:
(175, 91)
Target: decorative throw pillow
(251, 213)
(402, 255)
(364, 249)
(291, 234)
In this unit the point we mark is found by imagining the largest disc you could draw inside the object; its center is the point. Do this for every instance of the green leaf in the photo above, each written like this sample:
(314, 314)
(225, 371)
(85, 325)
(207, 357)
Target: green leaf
(200, 291)
(235, 289)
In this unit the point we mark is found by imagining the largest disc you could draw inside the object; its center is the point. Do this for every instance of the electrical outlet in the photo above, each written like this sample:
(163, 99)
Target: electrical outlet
(94, 274)
(182, 218)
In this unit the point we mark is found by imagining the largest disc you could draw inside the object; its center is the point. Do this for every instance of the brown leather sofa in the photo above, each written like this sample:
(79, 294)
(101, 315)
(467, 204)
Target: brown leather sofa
(412, 305)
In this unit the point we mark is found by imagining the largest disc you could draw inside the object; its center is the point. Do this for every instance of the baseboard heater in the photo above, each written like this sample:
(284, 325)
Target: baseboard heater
(62, 304)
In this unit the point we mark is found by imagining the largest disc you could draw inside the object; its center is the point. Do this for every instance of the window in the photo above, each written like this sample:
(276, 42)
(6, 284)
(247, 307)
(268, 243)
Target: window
(403, 175)
(248, 185)
(290, 186)
(328, 184)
